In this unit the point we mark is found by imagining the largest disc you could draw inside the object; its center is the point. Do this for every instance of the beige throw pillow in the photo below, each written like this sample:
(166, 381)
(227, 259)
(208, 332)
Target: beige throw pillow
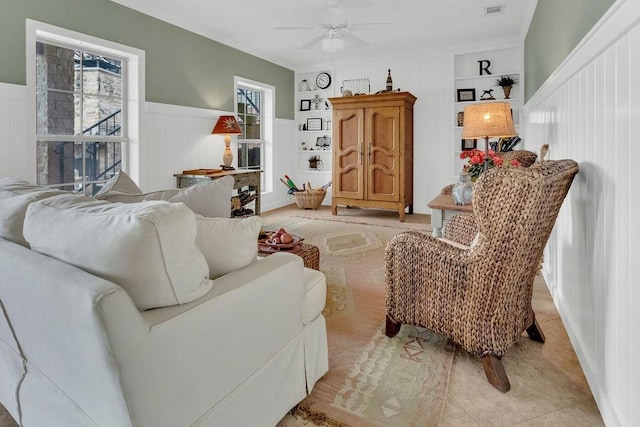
(228, 244)
(122, 183)
(15, 196)
(147, 248)
(210, 198)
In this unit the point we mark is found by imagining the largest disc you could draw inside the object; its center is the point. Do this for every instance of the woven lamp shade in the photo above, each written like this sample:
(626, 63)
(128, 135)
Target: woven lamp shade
(493, 119)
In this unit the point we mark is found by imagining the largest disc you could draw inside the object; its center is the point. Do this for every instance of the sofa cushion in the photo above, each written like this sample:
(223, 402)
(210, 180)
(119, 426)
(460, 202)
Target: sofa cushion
(315, 294)
(228, 244)
(120, 182)
(15, 196)
(147, 248)
(210, 198)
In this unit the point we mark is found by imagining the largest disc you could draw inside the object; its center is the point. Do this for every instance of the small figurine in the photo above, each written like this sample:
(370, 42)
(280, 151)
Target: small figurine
(488, 94)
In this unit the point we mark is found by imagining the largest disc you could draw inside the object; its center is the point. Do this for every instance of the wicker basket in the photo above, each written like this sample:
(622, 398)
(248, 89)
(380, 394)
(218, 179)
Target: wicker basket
(309, 199)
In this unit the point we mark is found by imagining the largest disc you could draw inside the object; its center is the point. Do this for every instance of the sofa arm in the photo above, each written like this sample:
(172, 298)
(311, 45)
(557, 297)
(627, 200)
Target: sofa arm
(213, 344)
(54, 310)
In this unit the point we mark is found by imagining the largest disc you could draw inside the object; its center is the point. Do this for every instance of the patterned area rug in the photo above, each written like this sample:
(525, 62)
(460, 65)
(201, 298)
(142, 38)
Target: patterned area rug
(372, 380)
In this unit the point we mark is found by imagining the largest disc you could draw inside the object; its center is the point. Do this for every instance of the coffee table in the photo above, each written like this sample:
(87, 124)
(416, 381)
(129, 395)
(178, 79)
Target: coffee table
(439, 207)
(310, 254)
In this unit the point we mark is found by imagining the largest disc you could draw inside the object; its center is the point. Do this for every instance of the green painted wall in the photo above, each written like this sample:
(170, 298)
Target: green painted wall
(182, 68)
(556, 28)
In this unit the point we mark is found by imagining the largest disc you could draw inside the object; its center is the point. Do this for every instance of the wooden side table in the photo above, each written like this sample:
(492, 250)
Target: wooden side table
(249, 179)
(439, 207)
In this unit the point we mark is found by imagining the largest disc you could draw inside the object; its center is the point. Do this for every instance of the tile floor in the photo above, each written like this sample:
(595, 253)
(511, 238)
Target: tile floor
(548, 387)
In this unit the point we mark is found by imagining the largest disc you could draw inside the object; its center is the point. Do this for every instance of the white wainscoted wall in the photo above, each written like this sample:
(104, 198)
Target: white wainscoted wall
(587, 111)
(428, 75)
(174, 138)
(17, 148)
(179, 138)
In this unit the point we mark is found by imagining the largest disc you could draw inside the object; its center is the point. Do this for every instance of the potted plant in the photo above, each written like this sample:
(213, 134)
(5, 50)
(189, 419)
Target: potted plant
(506, 82)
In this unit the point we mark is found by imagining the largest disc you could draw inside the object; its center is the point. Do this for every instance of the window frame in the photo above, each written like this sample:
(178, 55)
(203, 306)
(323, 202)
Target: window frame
(260, 140)
(80, 138)
(132, 99)
(267, 122)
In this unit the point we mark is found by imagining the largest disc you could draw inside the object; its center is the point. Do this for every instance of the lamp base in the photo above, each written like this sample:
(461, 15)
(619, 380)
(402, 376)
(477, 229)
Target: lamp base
(227, 168)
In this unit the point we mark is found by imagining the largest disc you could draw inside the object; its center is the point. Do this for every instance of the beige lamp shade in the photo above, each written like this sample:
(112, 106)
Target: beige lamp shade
(488, 120)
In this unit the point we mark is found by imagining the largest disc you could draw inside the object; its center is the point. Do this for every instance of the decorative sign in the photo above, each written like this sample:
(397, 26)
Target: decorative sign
(484, 65)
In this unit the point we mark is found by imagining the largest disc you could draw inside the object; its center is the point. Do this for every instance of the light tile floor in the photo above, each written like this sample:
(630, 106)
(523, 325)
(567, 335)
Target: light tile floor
(548, 387)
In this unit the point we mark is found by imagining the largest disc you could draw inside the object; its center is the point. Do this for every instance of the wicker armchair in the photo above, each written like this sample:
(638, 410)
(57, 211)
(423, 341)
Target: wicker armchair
(480, 296)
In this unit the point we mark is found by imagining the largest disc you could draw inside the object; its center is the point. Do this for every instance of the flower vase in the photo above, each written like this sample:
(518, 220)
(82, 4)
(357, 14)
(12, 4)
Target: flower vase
(507, 91)
(462, 190)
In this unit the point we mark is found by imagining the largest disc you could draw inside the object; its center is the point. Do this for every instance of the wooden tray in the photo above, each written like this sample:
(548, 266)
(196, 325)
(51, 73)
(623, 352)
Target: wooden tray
(201, 171)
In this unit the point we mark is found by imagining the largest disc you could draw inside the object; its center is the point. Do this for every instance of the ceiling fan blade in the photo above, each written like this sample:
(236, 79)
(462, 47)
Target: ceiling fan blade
(313, 42)
(372, 26)
(354, 40)
(295, 28)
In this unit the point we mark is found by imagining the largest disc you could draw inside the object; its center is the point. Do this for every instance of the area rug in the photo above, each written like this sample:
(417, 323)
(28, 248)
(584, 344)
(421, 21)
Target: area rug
(372, 380)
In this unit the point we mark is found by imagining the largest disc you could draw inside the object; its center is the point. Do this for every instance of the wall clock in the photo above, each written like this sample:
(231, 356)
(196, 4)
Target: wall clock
(323, 80)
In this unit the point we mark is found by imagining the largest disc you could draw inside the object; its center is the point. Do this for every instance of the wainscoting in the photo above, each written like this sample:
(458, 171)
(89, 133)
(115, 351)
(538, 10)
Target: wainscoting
(587, 111)
(174, 138)
(17, 150)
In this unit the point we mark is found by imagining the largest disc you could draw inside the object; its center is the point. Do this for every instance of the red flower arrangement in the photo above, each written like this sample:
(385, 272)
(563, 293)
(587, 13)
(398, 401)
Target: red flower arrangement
(476, 162)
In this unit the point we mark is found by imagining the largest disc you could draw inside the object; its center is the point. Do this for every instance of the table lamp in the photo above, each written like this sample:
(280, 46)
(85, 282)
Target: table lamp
(227, 126)
(488, 120)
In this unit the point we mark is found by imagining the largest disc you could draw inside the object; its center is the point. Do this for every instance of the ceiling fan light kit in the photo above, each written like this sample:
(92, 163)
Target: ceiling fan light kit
(332, 44)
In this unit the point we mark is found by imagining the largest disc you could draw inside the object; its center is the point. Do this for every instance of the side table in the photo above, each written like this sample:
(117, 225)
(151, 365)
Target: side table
(249, 179)
(310, 254)
(439, 206)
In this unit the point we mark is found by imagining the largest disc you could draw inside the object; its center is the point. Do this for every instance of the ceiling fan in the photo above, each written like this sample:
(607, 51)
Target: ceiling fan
(335, 30)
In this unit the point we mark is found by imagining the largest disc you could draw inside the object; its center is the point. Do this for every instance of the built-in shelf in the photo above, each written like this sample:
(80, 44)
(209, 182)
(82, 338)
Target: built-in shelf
(315, 177)
(504, 62)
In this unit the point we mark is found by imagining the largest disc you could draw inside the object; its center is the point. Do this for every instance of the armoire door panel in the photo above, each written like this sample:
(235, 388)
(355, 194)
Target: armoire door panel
(348, 153)
(383, 136)
(383, 185)
(383, 127)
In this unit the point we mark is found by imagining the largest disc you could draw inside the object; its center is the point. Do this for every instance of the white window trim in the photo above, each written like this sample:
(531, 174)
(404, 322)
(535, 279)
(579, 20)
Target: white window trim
(135, 92)
(268, 116)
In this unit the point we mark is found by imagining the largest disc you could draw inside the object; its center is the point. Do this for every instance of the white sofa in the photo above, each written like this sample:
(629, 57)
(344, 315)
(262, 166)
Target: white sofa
(76, 350)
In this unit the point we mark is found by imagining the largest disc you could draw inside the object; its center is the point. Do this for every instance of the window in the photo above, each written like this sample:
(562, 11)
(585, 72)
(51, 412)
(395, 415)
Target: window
(250, 143)
(80, 117)
(86, 100)
(254, 102)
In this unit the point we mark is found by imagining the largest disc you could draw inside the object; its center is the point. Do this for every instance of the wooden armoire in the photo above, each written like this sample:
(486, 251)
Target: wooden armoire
(373, 151)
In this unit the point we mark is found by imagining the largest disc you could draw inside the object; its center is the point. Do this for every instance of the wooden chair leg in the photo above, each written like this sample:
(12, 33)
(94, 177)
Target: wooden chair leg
(494, 370)
(535, 332)
(391, 328)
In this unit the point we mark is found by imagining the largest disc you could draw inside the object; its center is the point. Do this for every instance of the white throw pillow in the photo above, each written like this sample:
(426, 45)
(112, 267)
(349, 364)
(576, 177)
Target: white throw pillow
(15, 196)
(210, 198)
(147, 248)
(120, 182)
(228, 244)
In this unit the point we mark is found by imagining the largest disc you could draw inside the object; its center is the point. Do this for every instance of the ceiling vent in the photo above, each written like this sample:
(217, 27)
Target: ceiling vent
(493, 10)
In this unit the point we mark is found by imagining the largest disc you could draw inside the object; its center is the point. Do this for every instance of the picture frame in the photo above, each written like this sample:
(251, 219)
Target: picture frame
(314, 123)
(469, 144)
(323, 142)
(305, 105)
(466, 95)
